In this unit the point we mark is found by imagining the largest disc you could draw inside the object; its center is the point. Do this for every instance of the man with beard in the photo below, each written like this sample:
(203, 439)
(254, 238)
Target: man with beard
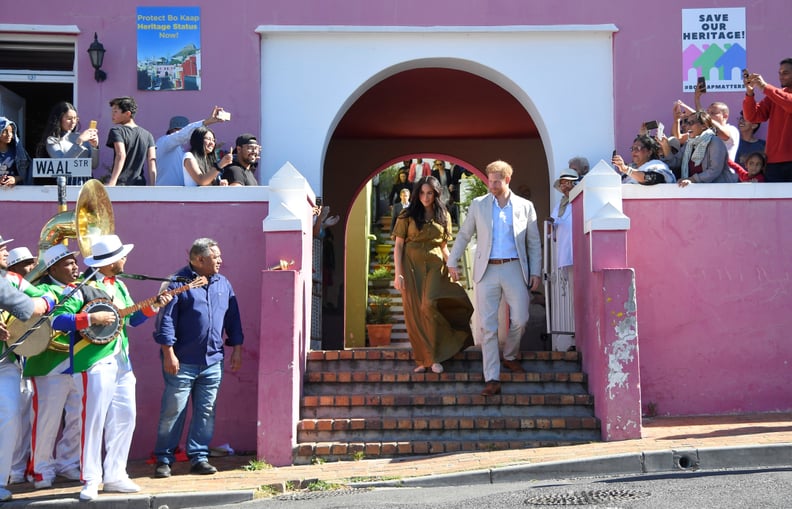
(241, 171)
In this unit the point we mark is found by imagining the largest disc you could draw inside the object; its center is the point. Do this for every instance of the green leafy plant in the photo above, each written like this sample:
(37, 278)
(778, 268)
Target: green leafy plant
(256, 465)
(324, 486)
(475, 187)
(381, 273)
(379, 309)
(383, 258)
(358, 456)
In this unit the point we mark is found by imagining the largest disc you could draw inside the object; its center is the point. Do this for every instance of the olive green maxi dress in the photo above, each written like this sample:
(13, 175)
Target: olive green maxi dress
(437, 310)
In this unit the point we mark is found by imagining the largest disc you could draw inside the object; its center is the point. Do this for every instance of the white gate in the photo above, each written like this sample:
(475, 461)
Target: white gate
(559, 294)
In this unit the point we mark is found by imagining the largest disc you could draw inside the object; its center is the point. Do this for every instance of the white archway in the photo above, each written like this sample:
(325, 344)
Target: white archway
(310, 75)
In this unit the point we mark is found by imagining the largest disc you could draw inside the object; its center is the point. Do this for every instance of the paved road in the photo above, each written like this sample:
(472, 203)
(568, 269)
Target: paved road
(738, 489)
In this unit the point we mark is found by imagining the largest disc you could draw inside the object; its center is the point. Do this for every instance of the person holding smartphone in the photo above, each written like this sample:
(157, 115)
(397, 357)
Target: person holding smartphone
(776, 108)
(62, 139)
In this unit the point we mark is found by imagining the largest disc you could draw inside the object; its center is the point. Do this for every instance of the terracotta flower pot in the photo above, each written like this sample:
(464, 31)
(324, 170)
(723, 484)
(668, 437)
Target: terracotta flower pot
(379, 334)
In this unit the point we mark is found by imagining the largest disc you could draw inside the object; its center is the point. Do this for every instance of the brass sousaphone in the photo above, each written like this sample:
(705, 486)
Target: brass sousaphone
(92, 216)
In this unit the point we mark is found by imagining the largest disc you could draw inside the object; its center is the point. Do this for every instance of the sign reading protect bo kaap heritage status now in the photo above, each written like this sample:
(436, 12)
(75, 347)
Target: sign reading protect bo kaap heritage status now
(168, 48)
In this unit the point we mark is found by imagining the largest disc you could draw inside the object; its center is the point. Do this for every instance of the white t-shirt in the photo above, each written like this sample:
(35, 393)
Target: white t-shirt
(733, 143)
(188, 180)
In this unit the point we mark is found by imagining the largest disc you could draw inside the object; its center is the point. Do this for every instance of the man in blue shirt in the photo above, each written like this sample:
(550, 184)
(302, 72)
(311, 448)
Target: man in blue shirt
(190, 331)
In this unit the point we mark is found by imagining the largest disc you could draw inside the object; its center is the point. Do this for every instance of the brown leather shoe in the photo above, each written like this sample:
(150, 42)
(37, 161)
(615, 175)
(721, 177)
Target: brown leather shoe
(513, 366)
(491, 388)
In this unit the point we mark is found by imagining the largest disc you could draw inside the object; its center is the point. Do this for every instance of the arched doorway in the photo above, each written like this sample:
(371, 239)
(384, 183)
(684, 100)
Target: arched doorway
(426, 112)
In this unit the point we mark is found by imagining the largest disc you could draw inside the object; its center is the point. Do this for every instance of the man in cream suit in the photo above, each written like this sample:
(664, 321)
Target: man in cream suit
(507, 266)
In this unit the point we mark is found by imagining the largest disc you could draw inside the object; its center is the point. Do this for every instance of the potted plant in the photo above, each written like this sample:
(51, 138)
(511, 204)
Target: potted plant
(383, 260)
(383, 249)
(381, 277)
(379, 320)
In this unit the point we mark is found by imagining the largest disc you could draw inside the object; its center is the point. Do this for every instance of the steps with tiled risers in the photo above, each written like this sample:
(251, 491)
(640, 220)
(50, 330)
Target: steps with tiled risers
(370, 402)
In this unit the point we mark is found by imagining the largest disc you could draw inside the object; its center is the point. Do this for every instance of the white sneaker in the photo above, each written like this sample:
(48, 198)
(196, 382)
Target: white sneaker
(72, 474)
(89, 492)
(43, 484)
(16, 479)
(122, 486)
(5, 495)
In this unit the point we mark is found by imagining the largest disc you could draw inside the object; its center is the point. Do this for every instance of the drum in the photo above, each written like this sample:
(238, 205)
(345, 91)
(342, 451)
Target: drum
(101, 334)
(36, 342)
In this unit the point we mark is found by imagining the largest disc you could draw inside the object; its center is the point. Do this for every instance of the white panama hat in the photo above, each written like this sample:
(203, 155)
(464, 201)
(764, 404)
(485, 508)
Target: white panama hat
(567, 174)
(107, 249)
(19, 254)
(56, 253)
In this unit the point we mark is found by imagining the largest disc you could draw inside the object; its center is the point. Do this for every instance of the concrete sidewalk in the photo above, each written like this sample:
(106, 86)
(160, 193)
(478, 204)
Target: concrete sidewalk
(668, 444)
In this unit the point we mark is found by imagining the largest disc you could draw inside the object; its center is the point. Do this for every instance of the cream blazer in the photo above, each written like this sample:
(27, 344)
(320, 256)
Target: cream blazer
(479, 223)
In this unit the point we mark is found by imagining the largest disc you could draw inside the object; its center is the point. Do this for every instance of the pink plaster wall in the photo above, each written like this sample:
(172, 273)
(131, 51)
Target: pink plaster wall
(162, 233)
(713, 292)
(230, 54)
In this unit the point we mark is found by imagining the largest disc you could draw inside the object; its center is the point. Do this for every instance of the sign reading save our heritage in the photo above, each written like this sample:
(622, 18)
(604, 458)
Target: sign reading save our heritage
(168, 48)
(43, 167)
(713, 46)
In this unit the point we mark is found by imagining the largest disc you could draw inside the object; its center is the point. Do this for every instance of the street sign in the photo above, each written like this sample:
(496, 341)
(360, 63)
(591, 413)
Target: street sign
(48, 168)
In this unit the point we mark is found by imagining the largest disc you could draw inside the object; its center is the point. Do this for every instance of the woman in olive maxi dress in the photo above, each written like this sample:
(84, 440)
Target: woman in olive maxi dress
(437, 311)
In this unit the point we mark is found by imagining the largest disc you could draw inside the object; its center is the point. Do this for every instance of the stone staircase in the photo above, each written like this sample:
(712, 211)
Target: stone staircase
(368, 403)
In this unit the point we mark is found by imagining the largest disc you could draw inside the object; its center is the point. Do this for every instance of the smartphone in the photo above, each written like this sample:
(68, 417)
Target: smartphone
(660, 130)
(224, 115)
(702, 84)
(613, 155)
(746, 74)
(652, 124)
(92, 124)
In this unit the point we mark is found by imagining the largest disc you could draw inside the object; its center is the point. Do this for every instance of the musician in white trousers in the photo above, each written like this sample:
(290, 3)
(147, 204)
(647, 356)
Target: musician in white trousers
(21, 456)
(104, 371)
(57, 397)
(22, 307)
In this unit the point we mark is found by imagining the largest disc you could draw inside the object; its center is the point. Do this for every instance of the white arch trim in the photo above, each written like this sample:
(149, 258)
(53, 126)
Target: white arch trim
(310, 75)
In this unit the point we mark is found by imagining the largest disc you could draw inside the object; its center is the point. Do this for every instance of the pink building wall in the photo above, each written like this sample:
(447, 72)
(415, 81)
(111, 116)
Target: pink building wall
(647, 56)
(713, 291)
(702, 325)
(711, 311)
(162, 232)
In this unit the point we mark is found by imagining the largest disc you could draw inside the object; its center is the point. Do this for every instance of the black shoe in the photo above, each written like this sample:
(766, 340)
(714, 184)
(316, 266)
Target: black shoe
(203, 468)
(162, 470)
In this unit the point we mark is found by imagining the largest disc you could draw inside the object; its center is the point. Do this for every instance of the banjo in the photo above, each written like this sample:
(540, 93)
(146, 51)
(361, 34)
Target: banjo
(38, 338)
(103, 334)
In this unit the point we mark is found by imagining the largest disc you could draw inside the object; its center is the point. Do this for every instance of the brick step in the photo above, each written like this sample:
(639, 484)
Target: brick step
(455, 405)
(370, 403)
(306, 453)
(465, 428)
(454, 365)
(400, 353)
(408, 376)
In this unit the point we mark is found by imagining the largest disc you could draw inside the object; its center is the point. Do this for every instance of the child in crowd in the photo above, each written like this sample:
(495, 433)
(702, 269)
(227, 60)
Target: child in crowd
(754, 167)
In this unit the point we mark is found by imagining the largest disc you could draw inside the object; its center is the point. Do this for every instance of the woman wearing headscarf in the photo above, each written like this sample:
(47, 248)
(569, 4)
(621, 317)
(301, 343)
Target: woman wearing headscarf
(14, 160)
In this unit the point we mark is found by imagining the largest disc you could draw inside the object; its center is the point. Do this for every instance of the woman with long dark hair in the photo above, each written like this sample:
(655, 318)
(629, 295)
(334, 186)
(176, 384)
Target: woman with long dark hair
(201, 167)
(437, 311)
(62, 139)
